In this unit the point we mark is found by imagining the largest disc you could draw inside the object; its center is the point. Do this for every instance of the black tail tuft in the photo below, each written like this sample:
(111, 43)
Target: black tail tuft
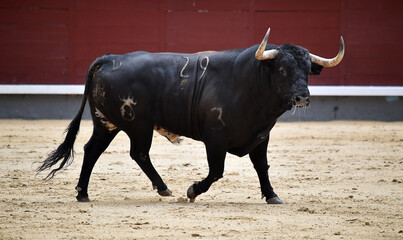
(64, 151)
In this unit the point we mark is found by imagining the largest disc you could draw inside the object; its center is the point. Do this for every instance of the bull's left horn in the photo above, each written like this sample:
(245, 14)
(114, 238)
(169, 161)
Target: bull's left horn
(262, 53)
(332, 61)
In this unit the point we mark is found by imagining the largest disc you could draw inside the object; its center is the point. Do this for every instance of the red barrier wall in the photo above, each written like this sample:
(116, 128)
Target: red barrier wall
(54, 42)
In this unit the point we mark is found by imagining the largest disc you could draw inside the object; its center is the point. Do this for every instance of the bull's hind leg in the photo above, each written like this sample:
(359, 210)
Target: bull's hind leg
(140, 143)
(97, 144)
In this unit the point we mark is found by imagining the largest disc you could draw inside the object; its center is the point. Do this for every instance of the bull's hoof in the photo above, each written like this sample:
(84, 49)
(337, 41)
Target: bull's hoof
(177, 141)
(274, 200)
(191, 194)
(83, 199)
(165, 193)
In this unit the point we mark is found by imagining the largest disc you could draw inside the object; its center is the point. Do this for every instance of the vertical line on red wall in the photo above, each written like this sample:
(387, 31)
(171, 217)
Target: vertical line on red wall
(162, 31)
(252, 11)
(71, 39)
(343, 31)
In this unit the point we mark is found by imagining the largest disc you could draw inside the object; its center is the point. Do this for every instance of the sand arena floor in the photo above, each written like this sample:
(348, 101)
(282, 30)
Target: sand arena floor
(339, 180)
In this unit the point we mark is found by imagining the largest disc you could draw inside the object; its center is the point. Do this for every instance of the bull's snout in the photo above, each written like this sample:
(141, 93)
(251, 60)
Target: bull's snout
(300, 101)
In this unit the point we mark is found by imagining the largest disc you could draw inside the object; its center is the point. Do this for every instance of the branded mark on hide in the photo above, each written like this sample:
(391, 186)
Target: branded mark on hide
(127, 109)
(184, 67)
(116, 67)
(204, 66)
(221, 123)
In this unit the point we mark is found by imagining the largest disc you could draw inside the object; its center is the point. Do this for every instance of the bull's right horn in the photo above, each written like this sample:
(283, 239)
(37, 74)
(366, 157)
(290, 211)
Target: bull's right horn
(262, 53)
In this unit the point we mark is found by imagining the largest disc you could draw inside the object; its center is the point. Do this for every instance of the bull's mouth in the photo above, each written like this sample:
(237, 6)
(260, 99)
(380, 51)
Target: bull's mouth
(300, 101)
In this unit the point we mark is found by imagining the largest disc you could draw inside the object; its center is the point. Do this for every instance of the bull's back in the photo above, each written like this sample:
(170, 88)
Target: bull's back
(140, 87)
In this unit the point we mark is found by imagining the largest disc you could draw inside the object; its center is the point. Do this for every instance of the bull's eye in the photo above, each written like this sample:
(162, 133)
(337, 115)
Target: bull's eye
(282, 71)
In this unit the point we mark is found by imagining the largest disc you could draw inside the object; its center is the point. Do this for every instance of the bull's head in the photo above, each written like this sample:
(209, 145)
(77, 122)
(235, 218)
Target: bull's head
(290, 67)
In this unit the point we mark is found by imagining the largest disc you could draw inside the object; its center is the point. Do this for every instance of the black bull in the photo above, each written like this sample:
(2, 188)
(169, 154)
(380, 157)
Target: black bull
(230, 100)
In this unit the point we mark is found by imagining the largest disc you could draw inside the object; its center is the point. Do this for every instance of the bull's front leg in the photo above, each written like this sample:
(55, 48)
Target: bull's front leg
(216, 152)
(259, 160)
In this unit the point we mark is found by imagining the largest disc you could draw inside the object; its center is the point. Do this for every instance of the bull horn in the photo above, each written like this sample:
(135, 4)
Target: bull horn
(332, 61)
(261, 53)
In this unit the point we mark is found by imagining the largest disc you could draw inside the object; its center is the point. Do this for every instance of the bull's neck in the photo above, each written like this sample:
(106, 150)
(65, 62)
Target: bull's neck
(257, 89)
(268, 98)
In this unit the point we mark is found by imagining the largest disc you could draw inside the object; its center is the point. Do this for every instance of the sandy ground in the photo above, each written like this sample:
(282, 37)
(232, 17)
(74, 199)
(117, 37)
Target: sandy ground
(339, 180)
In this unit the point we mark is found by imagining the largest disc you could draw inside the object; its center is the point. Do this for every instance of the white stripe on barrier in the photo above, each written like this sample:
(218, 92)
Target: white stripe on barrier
(315, 90)
(356, 91)
(41, 89)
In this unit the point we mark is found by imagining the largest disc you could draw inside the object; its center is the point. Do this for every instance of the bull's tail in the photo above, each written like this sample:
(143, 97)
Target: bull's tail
(65, 151)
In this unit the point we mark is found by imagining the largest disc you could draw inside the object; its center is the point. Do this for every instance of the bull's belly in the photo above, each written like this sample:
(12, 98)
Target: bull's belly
(172, 137)
(246, 147)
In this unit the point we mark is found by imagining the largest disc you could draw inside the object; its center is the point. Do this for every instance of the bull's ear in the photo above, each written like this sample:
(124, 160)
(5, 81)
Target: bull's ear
(316, 69)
